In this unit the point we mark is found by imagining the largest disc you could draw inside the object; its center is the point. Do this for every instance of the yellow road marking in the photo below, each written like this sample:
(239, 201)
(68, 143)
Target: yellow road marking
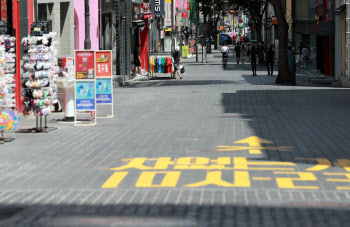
(261, 178)
(241, 179)
(114, 180)
(284, 182)
(170, 179)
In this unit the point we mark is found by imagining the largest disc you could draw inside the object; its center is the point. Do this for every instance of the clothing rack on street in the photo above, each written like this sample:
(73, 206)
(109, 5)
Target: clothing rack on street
(160, 63)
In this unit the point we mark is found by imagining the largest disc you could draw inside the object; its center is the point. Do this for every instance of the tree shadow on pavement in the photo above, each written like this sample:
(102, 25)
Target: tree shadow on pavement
(170, 214)
(313, 122)
(263, 79)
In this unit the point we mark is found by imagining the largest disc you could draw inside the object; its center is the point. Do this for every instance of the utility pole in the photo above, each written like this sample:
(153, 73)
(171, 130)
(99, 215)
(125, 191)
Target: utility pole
(266, 22)
(293, 65)
(332, 19)
(87, 41)
(197, 29)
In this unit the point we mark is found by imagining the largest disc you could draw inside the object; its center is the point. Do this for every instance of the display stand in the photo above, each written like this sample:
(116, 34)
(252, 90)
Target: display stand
(104, 88)
(40, 75)
(4, 139)
(8, 88)
(85, 86)
(160, 64)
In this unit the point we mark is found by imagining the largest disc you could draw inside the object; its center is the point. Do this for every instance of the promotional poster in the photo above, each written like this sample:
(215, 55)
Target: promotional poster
(103, 64)
(85, 64)
(103, 91)
(85, 95)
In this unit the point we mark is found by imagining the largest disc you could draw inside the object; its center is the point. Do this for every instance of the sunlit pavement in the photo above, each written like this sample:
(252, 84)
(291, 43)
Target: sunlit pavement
(217, 148)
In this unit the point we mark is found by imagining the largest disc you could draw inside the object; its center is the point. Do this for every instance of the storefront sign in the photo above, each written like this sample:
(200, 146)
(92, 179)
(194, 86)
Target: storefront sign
(145, 8)
(184, 15)
(167, 19)
(85, 64)
(321, 11)
(185, 51)
(103, 64)
(103, 91)
(85, 95)
(188, 5)
(157, 7)
(274, 20)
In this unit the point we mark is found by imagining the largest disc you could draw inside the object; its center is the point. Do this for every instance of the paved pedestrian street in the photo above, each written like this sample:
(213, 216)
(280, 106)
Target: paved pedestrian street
(218, 148)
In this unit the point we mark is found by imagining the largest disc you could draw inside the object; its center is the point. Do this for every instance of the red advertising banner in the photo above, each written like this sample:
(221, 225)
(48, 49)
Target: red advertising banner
(85, 64)
(188, 5)
(184, 15)
(3, 10)
(103, 64)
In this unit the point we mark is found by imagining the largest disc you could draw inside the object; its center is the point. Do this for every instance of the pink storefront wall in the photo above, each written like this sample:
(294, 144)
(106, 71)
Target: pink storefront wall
(79, 21)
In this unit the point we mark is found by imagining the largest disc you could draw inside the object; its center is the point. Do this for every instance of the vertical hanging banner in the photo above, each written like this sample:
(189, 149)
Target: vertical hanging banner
(104, 82)
(167, 19)
(157, 7)
(85, 85)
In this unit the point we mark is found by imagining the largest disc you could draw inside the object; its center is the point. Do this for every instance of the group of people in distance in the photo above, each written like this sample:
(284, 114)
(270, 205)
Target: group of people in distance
(261, 54)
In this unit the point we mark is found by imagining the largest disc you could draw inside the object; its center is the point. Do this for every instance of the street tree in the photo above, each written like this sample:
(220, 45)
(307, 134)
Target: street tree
(211, 10)
(284, 74)
(255, 9)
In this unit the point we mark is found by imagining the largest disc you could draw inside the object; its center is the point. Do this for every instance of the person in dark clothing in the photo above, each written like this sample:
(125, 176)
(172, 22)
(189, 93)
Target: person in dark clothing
(252, 58)
(177, 61)
(301, 46)
(261, 53)
(238, 52)
(137, 59)
(270, 59)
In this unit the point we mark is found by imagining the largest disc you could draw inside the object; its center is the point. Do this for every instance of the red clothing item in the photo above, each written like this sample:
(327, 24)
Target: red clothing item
(168, 65)
(241, 39)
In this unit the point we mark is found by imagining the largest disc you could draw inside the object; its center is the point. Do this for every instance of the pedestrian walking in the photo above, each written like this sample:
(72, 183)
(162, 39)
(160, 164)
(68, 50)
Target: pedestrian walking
(137, 59)
(252, 58)
(225, 51)
(238, 52)
(270, 59)
(243, 53)
(177, 61)
(301, 46)
(261, 53)
(305, 55)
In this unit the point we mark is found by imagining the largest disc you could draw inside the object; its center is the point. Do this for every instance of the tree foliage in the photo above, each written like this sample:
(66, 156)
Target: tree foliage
(255, 9)
(212, 10)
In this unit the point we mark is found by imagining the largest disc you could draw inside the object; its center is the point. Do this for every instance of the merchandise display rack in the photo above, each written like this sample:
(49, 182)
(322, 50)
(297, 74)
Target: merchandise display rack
(160, 69)
(8, 118)
(40, 75)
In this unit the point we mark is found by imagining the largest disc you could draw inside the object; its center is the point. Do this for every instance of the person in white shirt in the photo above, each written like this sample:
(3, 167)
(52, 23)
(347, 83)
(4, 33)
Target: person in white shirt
(225, 50)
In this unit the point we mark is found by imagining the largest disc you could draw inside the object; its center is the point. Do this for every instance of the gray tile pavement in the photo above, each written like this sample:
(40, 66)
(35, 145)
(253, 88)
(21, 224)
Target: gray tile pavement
(56, 179)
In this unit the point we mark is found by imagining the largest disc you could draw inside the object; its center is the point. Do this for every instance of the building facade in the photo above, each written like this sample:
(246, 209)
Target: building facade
(61, 13)
(79, 24)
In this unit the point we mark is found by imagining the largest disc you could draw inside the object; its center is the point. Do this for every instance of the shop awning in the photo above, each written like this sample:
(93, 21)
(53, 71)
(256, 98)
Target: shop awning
(138, 24)
(340, 10)
(147, 15)
(137, 2)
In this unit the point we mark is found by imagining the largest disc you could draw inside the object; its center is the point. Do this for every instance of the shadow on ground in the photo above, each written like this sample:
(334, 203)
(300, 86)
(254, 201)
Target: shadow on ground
(301, 214)
(313, 121)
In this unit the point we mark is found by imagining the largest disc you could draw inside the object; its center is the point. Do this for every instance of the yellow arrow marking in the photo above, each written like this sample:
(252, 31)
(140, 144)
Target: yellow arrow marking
(254, 146)
(254, 141)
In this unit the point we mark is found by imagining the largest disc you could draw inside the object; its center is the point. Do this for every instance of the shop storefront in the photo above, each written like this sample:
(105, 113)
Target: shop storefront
(10, 73)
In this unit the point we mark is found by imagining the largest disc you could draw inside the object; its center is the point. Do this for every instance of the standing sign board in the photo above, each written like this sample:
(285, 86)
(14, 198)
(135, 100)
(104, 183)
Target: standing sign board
(85, 84)
(104, 88)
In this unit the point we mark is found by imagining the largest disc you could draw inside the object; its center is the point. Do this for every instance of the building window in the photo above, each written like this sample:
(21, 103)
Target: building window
(42, 12)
